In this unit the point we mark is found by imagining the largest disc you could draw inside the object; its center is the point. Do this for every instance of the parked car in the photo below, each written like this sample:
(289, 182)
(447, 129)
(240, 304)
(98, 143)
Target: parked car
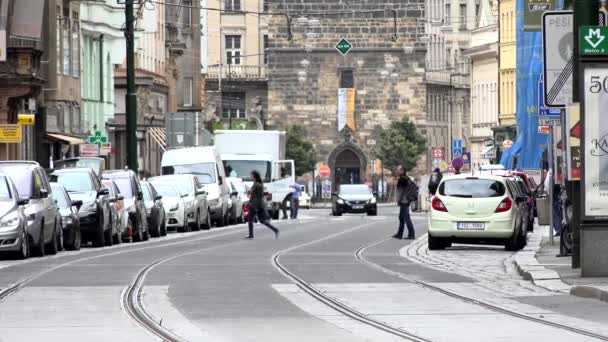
(530, 202)
(95, 214)
(477, 209)
(13, 221)
(173, 204)
(354, 198)
(41, 212)
(133, 197)
(529, 186)
(120, 218)
(95, 163)
(305, 201)
(198, 214)
(236, 200)
(155, 211)
(70, 222)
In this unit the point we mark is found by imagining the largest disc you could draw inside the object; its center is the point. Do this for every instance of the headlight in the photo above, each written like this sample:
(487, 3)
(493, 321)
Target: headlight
(340, 201)
(10, 220)
(67, 220)
(214, 202)
(90, 206)
(372, 201)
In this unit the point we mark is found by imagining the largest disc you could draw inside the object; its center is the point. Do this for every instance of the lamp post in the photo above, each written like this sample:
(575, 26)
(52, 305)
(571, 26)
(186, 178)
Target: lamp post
(451, 135)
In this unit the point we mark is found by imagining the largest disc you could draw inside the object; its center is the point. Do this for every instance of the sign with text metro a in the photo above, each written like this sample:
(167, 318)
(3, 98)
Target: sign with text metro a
(593, 40)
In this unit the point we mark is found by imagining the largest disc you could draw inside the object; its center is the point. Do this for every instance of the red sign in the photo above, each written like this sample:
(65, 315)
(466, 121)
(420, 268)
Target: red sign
(544, 129)
(437, 153)
(507, 143)
(324, 171)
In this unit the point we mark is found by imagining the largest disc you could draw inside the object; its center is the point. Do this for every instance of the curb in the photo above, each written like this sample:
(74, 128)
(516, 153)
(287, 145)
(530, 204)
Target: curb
(593, 292)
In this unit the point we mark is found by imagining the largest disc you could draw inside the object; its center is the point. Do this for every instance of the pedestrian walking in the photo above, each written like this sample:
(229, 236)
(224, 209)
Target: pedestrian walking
(257, 205)
(434, 181)
(287, 198)
(407, 191)
(295, 201)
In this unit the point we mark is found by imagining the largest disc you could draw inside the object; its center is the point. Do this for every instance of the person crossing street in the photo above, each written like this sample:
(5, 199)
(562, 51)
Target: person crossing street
(295, 200)
(257, 205)
(407, 192)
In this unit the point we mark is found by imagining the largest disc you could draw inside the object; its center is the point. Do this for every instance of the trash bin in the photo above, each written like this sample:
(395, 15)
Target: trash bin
(543, 210)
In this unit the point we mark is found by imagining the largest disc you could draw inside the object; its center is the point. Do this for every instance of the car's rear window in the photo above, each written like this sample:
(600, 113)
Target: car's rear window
(472, 188)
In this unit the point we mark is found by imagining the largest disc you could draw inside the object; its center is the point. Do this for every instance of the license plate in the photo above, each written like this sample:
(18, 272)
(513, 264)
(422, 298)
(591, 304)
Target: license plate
(357, 207)
(470, 226)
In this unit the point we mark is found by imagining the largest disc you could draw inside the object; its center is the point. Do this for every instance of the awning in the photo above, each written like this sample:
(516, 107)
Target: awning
(159, 134)
(66, 139)
(489, 152)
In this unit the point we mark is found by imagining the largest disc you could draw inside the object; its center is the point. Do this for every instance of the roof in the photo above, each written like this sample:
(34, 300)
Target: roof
(117, 173)
(73, 170)
(483, 175)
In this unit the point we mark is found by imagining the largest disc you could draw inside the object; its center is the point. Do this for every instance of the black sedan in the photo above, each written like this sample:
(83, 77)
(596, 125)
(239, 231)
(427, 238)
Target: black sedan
(155, 211)
(70, 222)
(354, 198)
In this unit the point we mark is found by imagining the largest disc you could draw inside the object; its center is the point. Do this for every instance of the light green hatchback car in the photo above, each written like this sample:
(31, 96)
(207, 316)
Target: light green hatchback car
(480, 209)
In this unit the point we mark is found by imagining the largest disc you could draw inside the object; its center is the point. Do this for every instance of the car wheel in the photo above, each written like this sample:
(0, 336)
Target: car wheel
(156, 231)
(531, 225)
(512, 243)
(51, 247)
(40, 246)
(24, 249)
(197, 223)
(221, 221)
(138, 235)
(435, 243)
(76, 240)
(60, 244)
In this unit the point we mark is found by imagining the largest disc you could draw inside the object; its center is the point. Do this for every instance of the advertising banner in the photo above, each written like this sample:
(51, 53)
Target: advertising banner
(346, 108)
(10, 134)
(573, 117)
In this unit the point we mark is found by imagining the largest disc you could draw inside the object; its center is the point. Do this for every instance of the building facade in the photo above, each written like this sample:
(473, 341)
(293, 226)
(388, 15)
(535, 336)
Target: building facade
(448, 26)
(483, 55)
(236, 81)
(344, 100)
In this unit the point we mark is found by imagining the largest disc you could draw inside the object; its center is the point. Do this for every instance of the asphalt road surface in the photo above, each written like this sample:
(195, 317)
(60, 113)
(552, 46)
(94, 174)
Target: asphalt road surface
(326, 279)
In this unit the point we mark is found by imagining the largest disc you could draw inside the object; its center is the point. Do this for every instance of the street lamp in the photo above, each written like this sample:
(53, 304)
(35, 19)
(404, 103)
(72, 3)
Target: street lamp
(451, 135)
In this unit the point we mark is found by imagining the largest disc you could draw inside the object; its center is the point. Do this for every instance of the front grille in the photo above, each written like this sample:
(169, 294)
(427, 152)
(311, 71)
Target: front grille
(7, 242)
(173, 221)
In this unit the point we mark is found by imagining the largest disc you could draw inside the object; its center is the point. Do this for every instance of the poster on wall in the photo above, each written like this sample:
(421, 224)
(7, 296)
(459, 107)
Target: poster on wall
(346, 108)
(595, 143)
(573, 117)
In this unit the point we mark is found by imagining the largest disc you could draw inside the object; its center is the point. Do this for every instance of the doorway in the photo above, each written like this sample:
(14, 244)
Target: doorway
(347, 169)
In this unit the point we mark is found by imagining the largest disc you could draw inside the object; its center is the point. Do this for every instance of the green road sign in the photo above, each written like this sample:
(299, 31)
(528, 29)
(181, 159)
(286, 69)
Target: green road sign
(97, 138)
(344, 46)
(593, 40)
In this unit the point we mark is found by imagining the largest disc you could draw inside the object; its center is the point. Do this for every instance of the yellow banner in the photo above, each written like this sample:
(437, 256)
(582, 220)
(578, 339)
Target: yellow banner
(350, 108)
(25, 119)
(10, 133)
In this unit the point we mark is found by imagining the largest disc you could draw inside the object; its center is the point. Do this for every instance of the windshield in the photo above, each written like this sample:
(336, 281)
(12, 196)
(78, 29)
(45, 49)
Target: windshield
(472, 188)
(205, 172)
(183, 184)
(165, 190)
(74, 181)
(59, 195)
(146, 191)
(242, 169)
(359, 189)
(22, 179)
(95, 164)
(5, 193)
(124, 186)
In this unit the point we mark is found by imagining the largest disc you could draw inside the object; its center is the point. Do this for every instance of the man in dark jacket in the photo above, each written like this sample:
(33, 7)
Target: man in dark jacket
(434, 181)
(407, 191)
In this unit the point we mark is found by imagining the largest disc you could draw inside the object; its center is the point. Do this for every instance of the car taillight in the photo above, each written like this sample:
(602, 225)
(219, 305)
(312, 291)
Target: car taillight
(438, 205)
(505, 205)
(269, 197)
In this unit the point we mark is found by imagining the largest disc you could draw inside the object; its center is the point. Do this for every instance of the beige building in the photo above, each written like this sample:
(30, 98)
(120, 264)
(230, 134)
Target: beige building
(235, 63)
(483, 54)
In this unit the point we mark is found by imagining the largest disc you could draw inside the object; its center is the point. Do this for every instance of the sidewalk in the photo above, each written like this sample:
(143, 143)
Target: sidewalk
(539, 263)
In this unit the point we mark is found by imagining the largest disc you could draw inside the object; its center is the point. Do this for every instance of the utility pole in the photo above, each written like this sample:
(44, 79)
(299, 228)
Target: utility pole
(131, 96)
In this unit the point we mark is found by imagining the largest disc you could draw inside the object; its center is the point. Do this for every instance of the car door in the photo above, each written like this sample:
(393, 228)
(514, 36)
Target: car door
(45, 209)
(200, 199)
(139, 201)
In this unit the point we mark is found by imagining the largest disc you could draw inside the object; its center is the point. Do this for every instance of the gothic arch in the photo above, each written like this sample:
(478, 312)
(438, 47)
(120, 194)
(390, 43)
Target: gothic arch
(347, 155)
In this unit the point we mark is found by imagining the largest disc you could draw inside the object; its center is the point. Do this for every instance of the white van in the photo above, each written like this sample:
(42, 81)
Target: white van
(205, 163)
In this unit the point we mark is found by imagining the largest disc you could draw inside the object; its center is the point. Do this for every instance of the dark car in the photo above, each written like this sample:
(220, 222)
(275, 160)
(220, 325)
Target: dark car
(95, 220)
(70, 222)
(155, 210)
(530, 202)
(354, 198)
(530, 186)
(94, 163)
(43, 221)
(119, 215)
(130, 189)
(13, 221)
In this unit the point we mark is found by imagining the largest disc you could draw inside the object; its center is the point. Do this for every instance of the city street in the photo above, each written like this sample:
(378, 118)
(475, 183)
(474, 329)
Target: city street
(325, 279)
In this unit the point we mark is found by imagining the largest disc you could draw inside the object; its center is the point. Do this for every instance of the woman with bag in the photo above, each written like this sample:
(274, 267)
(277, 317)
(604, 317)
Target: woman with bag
(257, 205)
(407, 191)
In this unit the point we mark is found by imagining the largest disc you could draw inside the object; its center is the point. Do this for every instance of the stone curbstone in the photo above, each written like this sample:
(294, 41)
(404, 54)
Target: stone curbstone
(588, 291)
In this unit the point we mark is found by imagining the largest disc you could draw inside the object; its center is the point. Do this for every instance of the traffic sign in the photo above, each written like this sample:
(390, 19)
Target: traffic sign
(26, 119)
(456, 148)
(543, 111)
(98, 138)
(507, 143)
(544, 129)
(10, 133)
(88, 150)
(344, 46)
(105, 149)
(324, 171)
(558, 58)
(437, 153)
(458, 163)
(443, 165)
(593, 40)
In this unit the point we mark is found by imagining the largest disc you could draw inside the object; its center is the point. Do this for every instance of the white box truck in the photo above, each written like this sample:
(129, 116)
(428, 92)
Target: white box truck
(243, 151)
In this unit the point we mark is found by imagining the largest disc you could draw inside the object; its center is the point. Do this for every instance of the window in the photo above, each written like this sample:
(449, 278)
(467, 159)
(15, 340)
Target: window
(187, 92)
(447, 14)
(75, 46)
(76, 120)
(477, 11)
(66, 118)
(186, 12)
(232, 5)
(347, 79)
(67, 48)
(463, 16)
(472, 188)
(233, 105)
(266, 5)
(59, 27)
(233, 49)
(265, 49)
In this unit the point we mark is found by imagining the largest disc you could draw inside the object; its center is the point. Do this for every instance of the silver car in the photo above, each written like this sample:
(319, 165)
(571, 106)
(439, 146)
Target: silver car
(13, 222)
(43, 219)
(195, 199)
(174, 205)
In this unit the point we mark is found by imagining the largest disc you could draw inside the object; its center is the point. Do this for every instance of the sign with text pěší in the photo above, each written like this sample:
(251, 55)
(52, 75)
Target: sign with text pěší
(26, 119)
(558, 57)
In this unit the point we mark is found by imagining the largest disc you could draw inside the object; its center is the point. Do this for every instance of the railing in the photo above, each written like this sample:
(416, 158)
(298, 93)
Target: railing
(242, 72)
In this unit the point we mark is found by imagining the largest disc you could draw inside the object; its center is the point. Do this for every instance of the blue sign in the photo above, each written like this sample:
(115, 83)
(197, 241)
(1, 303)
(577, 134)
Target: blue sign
(457, 163)
(542, 110)
(467, 157)
(456, 148)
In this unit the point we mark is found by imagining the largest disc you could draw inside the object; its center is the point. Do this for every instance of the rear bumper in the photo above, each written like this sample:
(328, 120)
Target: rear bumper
(445, 225)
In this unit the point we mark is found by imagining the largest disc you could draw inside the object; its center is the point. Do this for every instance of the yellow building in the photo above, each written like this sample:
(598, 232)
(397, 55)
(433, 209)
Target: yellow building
(507, 61)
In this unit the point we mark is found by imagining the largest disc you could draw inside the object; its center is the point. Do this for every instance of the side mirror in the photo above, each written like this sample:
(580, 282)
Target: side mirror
(23, 201)
(44, 193)
(234, 193)
(200, 191)
(77, 204)
(120, 198)
(140, 195)
(103, 192)
(158, 197)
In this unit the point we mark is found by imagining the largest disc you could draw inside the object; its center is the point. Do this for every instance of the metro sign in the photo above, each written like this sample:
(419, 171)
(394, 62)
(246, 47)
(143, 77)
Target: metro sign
(344, 46)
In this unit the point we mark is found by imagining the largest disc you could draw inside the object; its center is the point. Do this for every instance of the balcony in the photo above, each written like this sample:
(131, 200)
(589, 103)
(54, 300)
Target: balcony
(237, 72)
